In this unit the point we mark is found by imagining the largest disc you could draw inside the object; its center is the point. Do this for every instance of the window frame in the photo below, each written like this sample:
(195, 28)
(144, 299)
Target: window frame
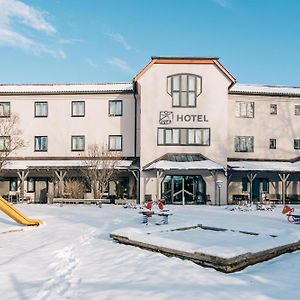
(197, 90)
(241, 137)
(72, 109)
(182, 142)
(35, 143)
(35, 110)
(28, 182)
(109, 142)
(273, 109)
(240, 115)
(9, 140)
(12, 181)
(296, 141)
(77, 136)
(9, 110)
(274, 143)
(113, 102)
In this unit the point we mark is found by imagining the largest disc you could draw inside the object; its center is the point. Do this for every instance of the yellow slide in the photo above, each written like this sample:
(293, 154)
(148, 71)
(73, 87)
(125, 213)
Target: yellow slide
(15, 214)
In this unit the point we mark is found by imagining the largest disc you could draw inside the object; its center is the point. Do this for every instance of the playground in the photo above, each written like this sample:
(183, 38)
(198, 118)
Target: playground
(71, 255)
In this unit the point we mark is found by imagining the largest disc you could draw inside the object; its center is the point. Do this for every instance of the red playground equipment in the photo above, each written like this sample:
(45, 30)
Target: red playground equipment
(292, 218)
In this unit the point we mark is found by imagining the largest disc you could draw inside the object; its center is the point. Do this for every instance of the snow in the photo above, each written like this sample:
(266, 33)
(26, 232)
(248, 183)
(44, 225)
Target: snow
(64, 88)
(264, 166)
(264, 89)
(25, 164)
(179, 165)
(71, 256)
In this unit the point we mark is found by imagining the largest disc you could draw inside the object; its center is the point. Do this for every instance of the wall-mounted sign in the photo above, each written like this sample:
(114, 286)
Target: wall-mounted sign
(191, 118)
(167, 117)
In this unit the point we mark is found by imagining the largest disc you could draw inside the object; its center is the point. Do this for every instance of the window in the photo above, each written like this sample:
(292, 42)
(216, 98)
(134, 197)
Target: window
(4, 143)
(40, 143)
(30, 185)
(78, 143)
(183, 136)
(244, 109)
(13, 184)
(41, 109)
(272, 143)
(78, 108)
(4, 109)
(245, 184)
(115, 108)
(115, 142)
(297, 144)
(244, 144)
(273, 109)
(297, 110)
(184, 89)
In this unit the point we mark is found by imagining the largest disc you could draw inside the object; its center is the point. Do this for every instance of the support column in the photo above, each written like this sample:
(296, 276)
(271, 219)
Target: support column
(22, 175)
(158, 177)
(137, 178)
(284, 177)
(215, 177)
(60, 176)
(251, 178)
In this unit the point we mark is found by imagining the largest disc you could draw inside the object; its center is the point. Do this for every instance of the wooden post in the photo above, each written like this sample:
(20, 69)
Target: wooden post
(60, 176)
(284, 177)
(137, 178)
(22, 175)
(158, 177)
(251, 178)
(214, 176)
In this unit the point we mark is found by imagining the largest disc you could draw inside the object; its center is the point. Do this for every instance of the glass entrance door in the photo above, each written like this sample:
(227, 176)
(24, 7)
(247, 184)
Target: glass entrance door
(184, 189)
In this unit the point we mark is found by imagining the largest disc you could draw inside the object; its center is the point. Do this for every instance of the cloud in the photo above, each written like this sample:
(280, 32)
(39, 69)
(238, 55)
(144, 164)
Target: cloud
(223, 3)
(14, 13)
(91, 63)
(120, 64)
(119, 38)
(69, 41)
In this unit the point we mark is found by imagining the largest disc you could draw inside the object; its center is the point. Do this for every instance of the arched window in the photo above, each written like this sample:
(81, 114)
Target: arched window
(184, 89)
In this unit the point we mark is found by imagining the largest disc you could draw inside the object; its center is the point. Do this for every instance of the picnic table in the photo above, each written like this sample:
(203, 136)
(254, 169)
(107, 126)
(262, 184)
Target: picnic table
(162, 213)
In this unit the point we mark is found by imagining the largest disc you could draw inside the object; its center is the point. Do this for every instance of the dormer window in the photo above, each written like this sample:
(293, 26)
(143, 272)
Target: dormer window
(184, 89)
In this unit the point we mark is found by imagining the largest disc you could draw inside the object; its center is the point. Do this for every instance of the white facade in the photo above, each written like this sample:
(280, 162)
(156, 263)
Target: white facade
(183, 123)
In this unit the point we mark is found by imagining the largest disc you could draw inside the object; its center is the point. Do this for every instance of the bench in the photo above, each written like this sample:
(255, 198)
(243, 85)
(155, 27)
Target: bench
(274, 198)
(240, 199)
(77, 201)
(293, 199)
(164, 214)
(125, 201)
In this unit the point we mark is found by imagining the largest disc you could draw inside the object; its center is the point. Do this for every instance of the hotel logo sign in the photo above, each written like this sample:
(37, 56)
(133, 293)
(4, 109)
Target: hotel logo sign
(167, 117)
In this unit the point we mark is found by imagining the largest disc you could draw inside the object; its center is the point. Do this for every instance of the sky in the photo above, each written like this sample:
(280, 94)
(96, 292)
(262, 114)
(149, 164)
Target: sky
(59, 41)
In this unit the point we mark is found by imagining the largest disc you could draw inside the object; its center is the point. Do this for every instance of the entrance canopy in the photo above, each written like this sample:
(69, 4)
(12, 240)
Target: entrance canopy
(183, 162)
(265, 166)
(56, 164)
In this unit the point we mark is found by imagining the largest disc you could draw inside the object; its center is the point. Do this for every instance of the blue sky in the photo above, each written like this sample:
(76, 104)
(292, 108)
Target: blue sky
(52, 41)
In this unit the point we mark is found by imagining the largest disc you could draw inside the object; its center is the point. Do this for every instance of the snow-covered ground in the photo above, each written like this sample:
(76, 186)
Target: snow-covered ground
(72, 257)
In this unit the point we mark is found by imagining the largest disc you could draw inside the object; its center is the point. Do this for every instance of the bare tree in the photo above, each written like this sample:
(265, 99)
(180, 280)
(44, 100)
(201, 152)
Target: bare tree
(74, 188)
(10, 138)
(99, 168)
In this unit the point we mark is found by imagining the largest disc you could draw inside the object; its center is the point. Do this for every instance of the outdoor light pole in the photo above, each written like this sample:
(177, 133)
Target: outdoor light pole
(219, 184)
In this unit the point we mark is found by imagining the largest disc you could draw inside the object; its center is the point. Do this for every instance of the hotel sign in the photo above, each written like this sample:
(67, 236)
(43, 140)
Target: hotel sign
(167, 117)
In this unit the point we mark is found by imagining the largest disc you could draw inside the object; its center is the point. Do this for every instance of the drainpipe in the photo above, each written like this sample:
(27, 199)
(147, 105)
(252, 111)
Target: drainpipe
(134, 83)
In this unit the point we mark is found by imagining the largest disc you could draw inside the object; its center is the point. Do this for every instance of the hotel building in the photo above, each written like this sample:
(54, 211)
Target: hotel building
(184, 128)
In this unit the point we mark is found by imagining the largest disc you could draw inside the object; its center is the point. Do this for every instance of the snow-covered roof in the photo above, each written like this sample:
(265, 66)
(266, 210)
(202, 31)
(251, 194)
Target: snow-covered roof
(256, 89)
(280, 166)
(65, 88)
(32, 164)
(179, 165)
